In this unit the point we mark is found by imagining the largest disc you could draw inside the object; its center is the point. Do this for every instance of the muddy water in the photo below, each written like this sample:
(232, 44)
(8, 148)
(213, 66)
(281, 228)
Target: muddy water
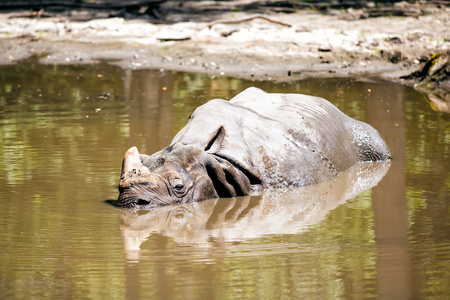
(64, 129)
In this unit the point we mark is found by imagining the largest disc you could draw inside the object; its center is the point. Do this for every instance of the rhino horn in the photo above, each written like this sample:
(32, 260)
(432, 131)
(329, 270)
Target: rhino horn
(134, 171)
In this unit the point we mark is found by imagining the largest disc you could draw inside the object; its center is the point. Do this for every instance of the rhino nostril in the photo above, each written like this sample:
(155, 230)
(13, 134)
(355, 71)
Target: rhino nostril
(143, 202)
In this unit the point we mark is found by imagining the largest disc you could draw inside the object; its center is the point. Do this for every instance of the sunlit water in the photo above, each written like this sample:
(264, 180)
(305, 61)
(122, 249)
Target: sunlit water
(64, 130)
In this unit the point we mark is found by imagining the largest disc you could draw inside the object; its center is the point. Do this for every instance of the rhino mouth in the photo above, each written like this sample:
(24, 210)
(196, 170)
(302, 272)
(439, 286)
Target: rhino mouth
(139, 196)
(134, 202)
(129, 199)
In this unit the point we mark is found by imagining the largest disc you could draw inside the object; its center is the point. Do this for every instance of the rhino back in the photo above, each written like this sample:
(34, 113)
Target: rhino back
(283, 139)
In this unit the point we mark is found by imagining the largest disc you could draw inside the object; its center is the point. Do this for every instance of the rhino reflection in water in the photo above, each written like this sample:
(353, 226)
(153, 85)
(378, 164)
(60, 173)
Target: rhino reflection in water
(274, 211)
(256, 140)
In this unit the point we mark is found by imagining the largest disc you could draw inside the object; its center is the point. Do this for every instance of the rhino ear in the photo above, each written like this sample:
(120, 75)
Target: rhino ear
(215, 143)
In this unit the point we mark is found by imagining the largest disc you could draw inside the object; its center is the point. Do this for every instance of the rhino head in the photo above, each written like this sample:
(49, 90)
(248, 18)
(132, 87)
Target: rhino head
(179, 173)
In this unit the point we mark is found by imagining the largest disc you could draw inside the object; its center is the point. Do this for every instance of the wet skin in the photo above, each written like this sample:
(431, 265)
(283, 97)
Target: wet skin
(255, 140)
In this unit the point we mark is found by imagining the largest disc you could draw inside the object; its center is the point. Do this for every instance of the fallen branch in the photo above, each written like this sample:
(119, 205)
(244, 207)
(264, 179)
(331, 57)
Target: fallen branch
(440, 2)
(34, 14)
(90, 4)
(248, 19)
(174, 39)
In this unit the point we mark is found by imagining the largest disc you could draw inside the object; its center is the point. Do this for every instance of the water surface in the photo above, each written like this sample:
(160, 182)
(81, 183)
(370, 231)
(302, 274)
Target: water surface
(64, 130)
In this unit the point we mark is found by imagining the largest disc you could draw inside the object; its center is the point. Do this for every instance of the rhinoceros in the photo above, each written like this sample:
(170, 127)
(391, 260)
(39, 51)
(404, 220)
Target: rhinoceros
(257, 140)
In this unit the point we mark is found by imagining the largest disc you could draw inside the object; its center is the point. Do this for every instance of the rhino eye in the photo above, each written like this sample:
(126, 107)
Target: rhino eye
(177, 184)
(179, 187)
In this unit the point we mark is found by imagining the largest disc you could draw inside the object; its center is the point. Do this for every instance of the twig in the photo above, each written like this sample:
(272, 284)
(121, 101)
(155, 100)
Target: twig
(440, 2)
(248, 19)
(37, 14)
(174, 39)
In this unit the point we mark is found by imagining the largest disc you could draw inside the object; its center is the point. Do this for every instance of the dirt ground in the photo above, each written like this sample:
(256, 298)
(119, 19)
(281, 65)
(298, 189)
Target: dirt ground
(280, 46)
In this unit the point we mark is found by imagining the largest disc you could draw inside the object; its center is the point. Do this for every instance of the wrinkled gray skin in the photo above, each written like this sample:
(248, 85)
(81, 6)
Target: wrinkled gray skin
(256, 139)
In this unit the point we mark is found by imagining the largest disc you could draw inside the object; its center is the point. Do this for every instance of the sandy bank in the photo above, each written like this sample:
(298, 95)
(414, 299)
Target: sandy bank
(277, 46)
